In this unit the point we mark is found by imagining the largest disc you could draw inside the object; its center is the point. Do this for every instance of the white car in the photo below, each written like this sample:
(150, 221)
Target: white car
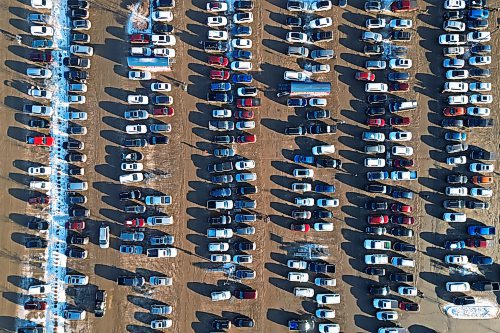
(303, 173)
(301, 187)
(131, 178)
(374, 162)
(216, 21)
(477, 111)
(81, 50)
(456, 259)
(296, 264)
(480, 86)
(76, 115)
(376, 259)
(160, 281)
(40, 93)
(323, 226)
(139, 75)
(77, 280)
(323, 150)
(39, 73)
(407, 291)
(159, 220)
(164, 52)
(303, 292)
(306, 202)
(454, 74)
(244, 165)
(220, 295)
(247, 91)
(329, 328)
(481, 99)
(240, 18)
(220, 258)
(320, 6)
(456, 191)
(221, 113)
(451, 39)
(40, 185)
(376, 87)
(318, 102)
(217, 35)
(165, 40)
(456, 287)
(296, 37)
(371, 37)
(456, 160)
(387, 315)
(454, 4)
(479, 36)
(323, 22)
(373, 137)
(295, 76)
(325, 313)
(327, 203)
(400, 24)
(41, 31)
(374, 244)
(218, 247)
(400, 63)
(162, 16)
(298, 277)
(317, 69)
(41, 289)
(76, 99)
(159, 324)
(375, 23)
(39, 171)
(325, 282)
(480, 60)
(454, 26)
(41, 4)
(137, 99)
(453, 63)
(481, 167)
(403, 262)
(456, 87)
(216, 6)
(400, 136)
(458, 100)
(402, 151)
(241, 66)
(326, 299)
(161, 86)
(480, 192)
(132, 166)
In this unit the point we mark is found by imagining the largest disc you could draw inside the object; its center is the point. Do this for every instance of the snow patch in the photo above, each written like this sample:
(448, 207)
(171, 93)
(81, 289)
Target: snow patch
(483, 309)
(135, 17)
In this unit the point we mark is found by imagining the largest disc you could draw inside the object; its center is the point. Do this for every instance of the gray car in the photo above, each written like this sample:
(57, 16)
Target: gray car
(132, 236)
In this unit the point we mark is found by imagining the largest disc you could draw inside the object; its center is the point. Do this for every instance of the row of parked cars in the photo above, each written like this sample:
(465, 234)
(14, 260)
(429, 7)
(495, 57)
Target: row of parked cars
(468, 93)
(232, 205)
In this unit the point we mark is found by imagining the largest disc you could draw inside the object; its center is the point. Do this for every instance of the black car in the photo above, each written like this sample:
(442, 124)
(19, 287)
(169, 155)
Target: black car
(245, 190)
(158, 140)
(79, 212)
(477, 24)
(318, 129)
(35, 243)
(224, 139)
(377, 99)
(477, 205)
(317, 114)
(477, 3)
(299, 130)
(401, 277)
(130, 280)
(76, 252)
(376, 205)
(131, 195)
(372, 270)
(79, 14)
(31, 329)
(241, 55)
(480, 49)
(243, 322)
(398, 77)
(73, 144)
(100, 303)
(81, 4)
(464, 300)
(321, 36)
(219, 97)
(243, 5)
(135, 143)
(401, 232)
(80, 76)
(161, 28)
(479, 122)
(379, 290)
(134, 156)
(322, 214)
(80, 38)
(373, 49)
(221, 324)
(219, 220)
(452, 123)
(373, 112)
(454, 15)
(76, 171)
(76, 239)
(39, 123)
(294, 22)
(242, 31)
(479, 72)
(374, 188)
(403, 247)
(76, 157)
(334, 163)
(452, 204)
(77, 199)
(456, 178)
(244, 246)
(77, 62)
(163, 4)
(38, 224)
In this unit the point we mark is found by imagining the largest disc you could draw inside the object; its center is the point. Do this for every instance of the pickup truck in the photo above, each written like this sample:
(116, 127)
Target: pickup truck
(385, 304)
(400, 36)
(221, 125)
(480, 154)
(404, 6)
(403, 175)
(220, 204)
(215, 47)
(250, 102)
(45, 141)
(318, 267)
(478, 122)
(486, 286)
(161, 252)
(401, 277)
(219, 233)
(220, 167)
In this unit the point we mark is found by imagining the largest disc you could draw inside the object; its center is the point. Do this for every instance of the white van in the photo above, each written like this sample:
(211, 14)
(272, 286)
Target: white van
(104, 237)
(376, 87)
(402, 106)
(323, 150)
(78, 186)
(74, 314)
(140, 51)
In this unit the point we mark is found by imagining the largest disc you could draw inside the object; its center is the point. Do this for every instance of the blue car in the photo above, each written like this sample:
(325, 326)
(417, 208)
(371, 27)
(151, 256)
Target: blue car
(241, 55)
(220, 97)
(324, 188)
(224, 86)
(481, 230)
(482, 260)
(304, 159)
(222, 179)
(221, 192)
(455, 136)
(399, 194)
(454, 245)
(42, 44)
(296, 102)
(242, 78)
(478, 14)
(242, 31)
(224, 152)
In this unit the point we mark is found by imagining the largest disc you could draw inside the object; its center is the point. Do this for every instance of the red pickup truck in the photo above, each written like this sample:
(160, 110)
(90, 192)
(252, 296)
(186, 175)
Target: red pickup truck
(45, 141)
(404, 6)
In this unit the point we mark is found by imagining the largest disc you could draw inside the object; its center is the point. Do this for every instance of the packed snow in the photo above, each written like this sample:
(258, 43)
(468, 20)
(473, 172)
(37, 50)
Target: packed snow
(483, 309)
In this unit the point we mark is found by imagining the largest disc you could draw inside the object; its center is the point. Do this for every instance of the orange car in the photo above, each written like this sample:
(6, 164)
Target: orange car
(482, 180)
(454, 111)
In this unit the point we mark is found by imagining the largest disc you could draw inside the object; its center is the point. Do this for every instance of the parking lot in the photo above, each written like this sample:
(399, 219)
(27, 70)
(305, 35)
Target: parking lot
(179, 170)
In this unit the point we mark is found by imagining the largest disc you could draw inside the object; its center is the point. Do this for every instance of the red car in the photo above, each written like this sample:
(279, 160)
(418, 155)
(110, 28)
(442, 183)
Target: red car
(44, 141)
(75, 225)
(45, 56)
(244, 114)
(402, 163)
(399, 121)
(365, 76)
(409, 306)
(454, 111)
(300, 227)
(248, 102)
(218, 61)
(402, 219)
(169, 112)
(399, 207)
(244, 139)
(399, 87)
(137, 223)
(35, 305)
(219, 75)
(41, 200)
(139, 39)
(378, 219)
(476, 242)
(375, 122)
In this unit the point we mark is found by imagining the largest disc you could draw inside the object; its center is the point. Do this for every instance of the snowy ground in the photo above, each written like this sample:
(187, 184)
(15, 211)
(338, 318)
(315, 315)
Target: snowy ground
(483, 309)
(136, 16)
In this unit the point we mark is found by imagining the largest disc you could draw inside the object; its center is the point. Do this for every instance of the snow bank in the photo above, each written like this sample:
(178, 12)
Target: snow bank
(483, 309)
